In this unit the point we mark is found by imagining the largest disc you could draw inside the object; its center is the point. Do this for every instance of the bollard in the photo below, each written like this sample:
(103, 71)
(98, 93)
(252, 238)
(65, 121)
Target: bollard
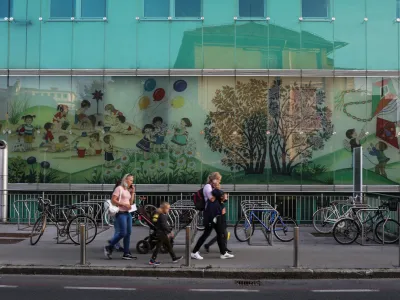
(187, 248)
(3, 181)
(82, 239)
(296, 247)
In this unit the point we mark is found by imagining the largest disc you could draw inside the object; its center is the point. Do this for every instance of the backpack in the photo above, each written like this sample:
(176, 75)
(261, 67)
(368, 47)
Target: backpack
(199, 201)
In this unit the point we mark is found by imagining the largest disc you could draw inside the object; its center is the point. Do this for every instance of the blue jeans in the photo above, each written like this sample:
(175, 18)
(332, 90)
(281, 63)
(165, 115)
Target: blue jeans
(123, 230)
(116, 233)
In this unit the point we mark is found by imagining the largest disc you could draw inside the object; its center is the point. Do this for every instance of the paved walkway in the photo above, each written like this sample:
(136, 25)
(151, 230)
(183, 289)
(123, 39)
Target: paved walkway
(315, 252)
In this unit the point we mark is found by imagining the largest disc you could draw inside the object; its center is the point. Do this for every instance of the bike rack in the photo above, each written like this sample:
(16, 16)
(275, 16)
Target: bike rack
(183, 209)
(361, 221)
(28, 211)
(266, 210)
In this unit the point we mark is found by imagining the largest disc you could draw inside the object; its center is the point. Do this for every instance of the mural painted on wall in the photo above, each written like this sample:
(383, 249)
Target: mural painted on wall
(176, 130)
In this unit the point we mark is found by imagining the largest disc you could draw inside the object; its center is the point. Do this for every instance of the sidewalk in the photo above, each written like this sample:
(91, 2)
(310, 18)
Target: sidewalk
(316, 253)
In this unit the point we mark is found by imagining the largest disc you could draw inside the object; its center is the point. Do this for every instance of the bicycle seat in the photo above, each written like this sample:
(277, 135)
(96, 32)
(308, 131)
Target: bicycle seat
(70, 206)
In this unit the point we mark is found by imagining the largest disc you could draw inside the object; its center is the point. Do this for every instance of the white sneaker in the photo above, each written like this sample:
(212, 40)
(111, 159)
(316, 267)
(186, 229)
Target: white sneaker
(196, 256)
(227, 255)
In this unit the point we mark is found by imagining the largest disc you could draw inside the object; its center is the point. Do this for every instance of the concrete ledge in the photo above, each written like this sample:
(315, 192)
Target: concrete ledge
(250, 274)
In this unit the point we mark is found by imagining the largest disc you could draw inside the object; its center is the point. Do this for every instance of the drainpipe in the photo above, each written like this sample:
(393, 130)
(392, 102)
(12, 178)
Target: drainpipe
(3, 180)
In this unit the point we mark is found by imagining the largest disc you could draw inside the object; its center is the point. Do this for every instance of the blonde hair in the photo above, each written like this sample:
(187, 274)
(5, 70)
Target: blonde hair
(214, 176)
(124, 179)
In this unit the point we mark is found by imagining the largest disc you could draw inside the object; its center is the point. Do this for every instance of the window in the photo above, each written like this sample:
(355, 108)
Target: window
(65, 9)
(397, 8)
(318, 9)
(252, 8)
(6, 8)
(172, 8)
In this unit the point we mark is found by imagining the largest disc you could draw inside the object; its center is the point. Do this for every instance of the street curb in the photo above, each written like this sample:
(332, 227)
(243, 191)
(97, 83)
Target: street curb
(210, 273)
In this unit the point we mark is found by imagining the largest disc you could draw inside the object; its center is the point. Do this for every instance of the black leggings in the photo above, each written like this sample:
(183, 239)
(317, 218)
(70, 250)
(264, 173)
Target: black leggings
(163, 240)
(207, 231)
(214, 239)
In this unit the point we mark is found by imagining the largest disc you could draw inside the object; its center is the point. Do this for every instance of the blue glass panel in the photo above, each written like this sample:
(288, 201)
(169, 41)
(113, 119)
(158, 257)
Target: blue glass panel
(93, 8)
(315, 8)
(251, 8)
(6, 8)
(185, 8)
(62, 8)
(397, 8)
(156, 8)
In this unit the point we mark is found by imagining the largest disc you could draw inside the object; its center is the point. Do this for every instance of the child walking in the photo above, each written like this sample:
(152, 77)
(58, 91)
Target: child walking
(164, 234)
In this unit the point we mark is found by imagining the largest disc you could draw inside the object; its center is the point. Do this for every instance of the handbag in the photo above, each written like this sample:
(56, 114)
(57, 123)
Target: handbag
(112, 209)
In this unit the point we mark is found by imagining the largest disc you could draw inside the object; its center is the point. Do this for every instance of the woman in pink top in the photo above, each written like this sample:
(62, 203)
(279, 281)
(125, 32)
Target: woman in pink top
(123, 197)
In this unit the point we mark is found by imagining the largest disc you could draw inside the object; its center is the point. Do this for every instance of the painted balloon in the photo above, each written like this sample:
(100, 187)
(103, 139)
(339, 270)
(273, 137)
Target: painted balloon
(144, 102)
(178, 102)
(149, 85)
(159, 94)
(180, 85)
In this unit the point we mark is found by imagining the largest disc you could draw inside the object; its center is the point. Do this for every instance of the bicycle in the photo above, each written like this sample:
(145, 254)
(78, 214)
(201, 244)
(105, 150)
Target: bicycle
(148, 209)
(350, 228)
(326, 217)
(270, 219)
(65, 220)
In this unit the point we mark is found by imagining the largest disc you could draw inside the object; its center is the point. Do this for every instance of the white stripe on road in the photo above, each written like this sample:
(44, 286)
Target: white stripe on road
(345, 291)
(224, 290)
(8, 286)
(95, 288)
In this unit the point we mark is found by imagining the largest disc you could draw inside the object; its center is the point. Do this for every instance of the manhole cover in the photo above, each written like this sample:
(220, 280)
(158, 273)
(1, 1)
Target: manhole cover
(10, 241)
(248, 282)
(15, 235)
(319, 234)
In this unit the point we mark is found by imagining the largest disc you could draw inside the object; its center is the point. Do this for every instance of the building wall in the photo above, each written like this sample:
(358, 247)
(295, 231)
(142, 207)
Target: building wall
(218, 41)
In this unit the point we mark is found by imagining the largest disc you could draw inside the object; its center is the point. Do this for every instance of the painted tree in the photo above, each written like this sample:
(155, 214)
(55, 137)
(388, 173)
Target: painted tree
(299, 123)
(237, 128)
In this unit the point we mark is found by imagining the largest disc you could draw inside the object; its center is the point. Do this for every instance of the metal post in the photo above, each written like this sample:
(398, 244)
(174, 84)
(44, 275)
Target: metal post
(296, 247)
(187, 248)
(82, 240)
(3, 180)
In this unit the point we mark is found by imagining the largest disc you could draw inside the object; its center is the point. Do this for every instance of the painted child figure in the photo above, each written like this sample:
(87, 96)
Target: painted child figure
(94, 144)
(108, 150)
(398, 133)
(379, 151)
(160, 131)
(181, 134)
(123, 127)
(27, 130)
(113, 114)
(48, 137)
(144, 143)
(61, 146)
(81, 118)
(60, 116)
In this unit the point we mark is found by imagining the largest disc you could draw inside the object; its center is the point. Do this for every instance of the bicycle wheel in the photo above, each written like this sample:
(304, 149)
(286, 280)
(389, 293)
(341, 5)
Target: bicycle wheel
(73, 229)
(38, 229)
(108, 219)
(243, 227)
(324, 219)
(388, 230)
(143, 247)
(150, 210)
(346, 231)
(284, 229)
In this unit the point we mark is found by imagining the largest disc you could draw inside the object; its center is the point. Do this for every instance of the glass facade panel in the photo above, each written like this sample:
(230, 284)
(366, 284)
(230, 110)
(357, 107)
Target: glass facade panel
(94, 8)
(185, 9)
(6, 8)
(252, 8)
(319, 9)
(62, 8)
(18, 36)
(156, 8)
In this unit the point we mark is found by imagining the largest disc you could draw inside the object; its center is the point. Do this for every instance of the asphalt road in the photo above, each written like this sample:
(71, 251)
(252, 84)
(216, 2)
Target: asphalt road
(102, 288)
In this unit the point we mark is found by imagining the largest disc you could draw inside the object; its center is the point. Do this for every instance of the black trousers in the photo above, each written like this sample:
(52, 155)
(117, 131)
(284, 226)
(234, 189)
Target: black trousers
(214, 239)
(221, 240)
(163, 240)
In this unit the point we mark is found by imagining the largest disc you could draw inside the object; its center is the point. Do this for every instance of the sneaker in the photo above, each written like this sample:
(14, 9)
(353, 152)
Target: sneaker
(176, 259)
(207, 248)
(128, 256)
(107, 252)
(196, 256)
(227, 255)
(153, 262)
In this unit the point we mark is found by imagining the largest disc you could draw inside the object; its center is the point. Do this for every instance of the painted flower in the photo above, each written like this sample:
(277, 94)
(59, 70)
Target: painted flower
(31, 160)
(181, 161)
(192, 165)
(152, 168)
(108, 173)
(177, 152)
(45, 164)
(118, 168)
(189, 152)
(124, 159)
(162, 164)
